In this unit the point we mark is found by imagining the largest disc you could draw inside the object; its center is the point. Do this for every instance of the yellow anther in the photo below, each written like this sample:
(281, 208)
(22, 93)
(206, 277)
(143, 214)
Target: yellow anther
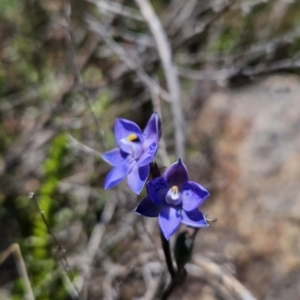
(132, 137)
(174, 189)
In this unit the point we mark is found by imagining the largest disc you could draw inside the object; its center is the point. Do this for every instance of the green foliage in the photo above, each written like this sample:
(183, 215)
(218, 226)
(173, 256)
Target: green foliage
(19, 286)
(9, 8)
(54, 170)
(226, 41)
(37, 249)
(14, 297)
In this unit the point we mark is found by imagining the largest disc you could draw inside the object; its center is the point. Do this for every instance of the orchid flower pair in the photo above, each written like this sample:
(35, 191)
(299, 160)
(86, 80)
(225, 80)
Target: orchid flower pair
(172, 197)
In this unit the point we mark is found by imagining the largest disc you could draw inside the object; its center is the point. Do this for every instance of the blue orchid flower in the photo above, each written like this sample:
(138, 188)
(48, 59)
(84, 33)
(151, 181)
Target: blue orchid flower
(136, 151)
(174, 200)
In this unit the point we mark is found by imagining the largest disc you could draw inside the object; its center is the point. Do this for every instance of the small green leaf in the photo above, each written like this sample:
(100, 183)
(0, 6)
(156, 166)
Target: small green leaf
(183, 249)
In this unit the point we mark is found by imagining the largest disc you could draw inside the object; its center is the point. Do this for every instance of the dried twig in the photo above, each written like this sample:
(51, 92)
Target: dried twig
(112, 271)
(92, 247)
(195, 29)
(16, 251)
(213, 274)
(171, 12)
(65, 266)
(183, 15)
(78, 145)
(118, 9)
(225, 74)
(286, 64)
(154, 283)
(140, 39)
(212, 75)
(98, 28)
(116, 237)
(165, 54)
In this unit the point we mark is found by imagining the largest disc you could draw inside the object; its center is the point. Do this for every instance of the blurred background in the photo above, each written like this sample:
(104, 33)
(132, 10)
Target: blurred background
(231, 110)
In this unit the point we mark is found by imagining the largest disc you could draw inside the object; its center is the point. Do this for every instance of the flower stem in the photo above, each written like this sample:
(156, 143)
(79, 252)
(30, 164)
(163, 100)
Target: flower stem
(166, 247)
(154, 170)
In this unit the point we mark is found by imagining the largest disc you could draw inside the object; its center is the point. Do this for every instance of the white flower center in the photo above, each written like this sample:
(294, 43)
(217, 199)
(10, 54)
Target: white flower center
(173, 195)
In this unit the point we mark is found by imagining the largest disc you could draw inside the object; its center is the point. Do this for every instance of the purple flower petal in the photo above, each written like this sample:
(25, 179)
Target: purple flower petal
(194, 218)
(123, 128)
(114, 157)
(176, 174)
(147, 208)
(157, 189)
(152, 132)
(117, 174)
(148, 155)
(169, 220)
(193, 195)
(137, 178)
(153, 126)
